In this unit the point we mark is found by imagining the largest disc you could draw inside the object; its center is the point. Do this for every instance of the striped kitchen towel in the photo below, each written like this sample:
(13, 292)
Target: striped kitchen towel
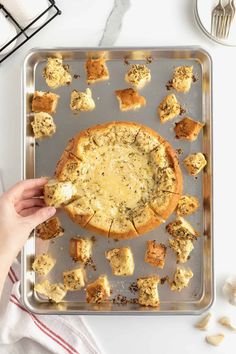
(57, 334)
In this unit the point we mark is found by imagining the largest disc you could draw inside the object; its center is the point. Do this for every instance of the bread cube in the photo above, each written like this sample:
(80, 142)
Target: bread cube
(182, 78)
(181, 228)
(181, 279)
(50, 229)
(148, 292)
(96, 70)
(43, 125)
(82, 101)
(43, 264)
(55, 292)
(187, 205)
(56, 73)
(182, 247)
(188, 129)
(194, 163)
(44, 102)
(138, 76)
(81, 249)
(58, 194)
(121, 261)
(74, 279)
(155, 254)
(98, 291)
(169, 108)
(129, 99)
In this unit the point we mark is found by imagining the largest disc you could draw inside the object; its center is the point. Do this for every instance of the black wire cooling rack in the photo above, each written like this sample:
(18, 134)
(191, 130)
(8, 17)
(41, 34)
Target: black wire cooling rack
(22, 34)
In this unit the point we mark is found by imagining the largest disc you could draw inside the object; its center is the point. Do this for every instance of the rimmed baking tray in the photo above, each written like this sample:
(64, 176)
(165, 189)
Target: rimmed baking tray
(40, 159)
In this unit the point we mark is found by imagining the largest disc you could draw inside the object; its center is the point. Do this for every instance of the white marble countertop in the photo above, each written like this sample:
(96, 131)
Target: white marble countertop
(147, 23)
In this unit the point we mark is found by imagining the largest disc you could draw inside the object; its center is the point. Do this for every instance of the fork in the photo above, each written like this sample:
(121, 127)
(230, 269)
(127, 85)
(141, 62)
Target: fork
(217, 17)
(228, 18)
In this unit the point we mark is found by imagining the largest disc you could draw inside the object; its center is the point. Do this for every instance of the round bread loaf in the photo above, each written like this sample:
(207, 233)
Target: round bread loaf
(127, 177)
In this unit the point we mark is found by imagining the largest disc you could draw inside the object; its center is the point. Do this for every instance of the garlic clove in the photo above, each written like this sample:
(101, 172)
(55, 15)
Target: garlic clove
(215, 339)
(229, 290)
(225, 321)
(203, 323)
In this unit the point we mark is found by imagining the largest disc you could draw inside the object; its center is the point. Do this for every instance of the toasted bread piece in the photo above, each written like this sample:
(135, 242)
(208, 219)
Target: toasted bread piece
(188, 129)
(44, 102)
(181, 279)
(148, 292)
(194, 163)
(129, 99)
(98, 291)
(82, 101)
(169, 108)
(43, 125)
(182, 78)
(182, 247)
(81, 249)
(96, 70)
(58, 193)
(187, 205)
(56, 73)
(74, 279)
(155, 254)
(49, 229)
(181, 228)
(55, 292)
(43, 264)
(121, 261)
(138, 76)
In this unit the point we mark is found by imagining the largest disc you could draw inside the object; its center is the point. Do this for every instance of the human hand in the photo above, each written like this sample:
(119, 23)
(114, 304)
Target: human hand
(21, 210)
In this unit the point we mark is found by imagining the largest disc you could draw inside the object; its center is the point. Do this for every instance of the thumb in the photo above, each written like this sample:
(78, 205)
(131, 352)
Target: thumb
(40, 216)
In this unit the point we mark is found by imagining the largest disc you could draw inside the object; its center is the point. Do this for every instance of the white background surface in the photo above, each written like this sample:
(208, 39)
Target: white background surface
(153, 23)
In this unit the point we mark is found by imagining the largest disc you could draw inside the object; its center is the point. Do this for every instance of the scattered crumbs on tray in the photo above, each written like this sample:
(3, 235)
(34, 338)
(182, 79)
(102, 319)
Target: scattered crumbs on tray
(169, 85)
(149, 59)
(115, 240)
(133, 288)
(93, 239)
(195, 177)
(195, 78)
(126, 62)
(61, 248)
(182, 111)
(164, 280)
(90, 263)
(98, 98)
(52, 241)
(179, 151)
(120, 300)
(36, 143)
(76, 76)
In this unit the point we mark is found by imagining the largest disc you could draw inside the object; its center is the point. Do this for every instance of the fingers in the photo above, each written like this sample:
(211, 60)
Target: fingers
(29, 211)
(29, 203)
(16, 192)
(37, 192)
(40, 216)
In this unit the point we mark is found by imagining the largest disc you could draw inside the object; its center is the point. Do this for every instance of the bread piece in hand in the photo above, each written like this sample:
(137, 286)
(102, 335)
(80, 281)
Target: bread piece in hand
(98, 291)
(129, 99)
(43, 125)
(169, 108)
(188, 129)
(81, 249)
(43, 264)
(55, 292)
(155, 253)
(58, 194)
(96, 70)
(44, 102)
(181, 279)
(187, 205)
(194, 163)
(56, 73)
(182, 247)
(148, 292)
(49, 229)
(74, 279)
(121, 261)
(182, 78)
(82, 101)
(181, 228)
(138, 76)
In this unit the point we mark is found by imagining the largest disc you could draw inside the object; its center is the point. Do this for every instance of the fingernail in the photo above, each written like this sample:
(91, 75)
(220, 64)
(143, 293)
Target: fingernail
(51, 210)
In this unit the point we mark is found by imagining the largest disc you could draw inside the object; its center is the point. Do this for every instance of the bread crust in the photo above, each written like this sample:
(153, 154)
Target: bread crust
(144, 218)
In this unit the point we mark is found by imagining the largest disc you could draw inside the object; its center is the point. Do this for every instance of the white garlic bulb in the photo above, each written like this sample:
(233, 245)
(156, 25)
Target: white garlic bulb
(229, 290)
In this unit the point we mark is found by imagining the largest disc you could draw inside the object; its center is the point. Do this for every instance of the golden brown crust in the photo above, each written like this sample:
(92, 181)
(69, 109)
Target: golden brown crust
(188, 129)
(142, 219)
(129, 99)
(44, 102)
(96, 70)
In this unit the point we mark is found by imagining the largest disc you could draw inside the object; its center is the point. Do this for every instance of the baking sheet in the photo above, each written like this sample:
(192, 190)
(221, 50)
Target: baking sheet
(40, 159)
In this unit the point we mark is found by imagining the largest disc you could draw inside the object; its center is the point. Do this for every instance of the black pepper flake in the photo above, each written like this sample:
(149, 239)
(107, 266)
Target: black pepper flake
(90, 263)
(126, 62)
(133, 288)
(182, 111)
(179, 151)
(36, 143)
(76, 76)
(169, 85)
(194, 78)
(149, 59)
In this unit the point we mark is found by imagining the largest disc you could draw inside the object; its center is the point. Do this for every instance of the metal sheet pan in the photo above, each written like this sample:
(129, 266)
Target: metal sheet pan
(40, 159)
